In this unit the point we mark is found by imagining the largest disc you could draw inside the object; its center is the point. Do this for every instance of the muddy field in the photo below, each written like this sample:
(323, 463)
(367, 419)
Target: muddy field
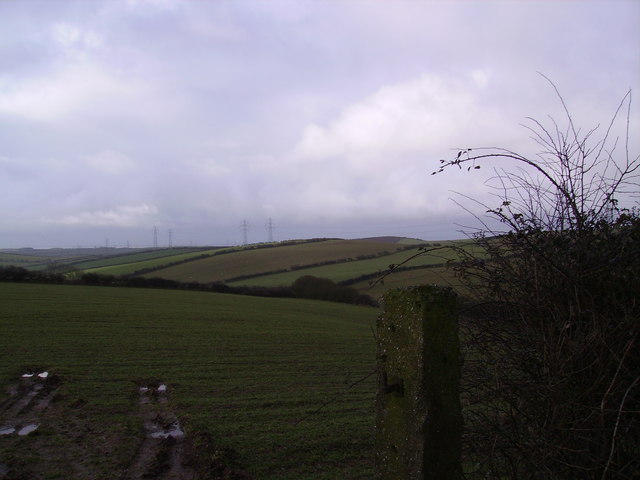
(120, 384)
(162, 450)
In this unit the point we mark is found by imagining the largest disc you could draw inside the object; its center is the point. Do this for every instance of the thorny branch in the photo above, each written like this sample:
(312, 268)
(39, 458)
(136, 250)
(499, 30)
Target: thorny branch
(550, 372)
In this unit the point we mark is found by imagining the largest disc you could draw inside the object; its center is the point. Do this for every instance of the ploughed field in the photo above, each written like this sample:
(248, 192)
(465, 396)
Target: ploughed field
(122, 383)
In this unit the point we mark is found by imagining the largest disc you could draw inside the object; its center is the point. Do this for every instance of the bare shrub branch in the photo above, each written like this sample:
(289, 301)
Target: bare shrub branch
(552, 366)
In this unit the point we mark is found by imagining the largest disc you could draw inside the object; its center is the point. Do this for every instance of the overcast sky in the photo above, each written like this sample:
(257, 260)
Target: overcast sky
(325, 116)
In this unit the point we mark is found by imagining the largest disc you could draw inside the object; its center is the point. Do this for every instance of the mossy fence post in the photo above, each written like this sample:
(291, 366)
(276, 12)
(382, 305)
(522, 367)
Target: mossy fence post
(418, 414)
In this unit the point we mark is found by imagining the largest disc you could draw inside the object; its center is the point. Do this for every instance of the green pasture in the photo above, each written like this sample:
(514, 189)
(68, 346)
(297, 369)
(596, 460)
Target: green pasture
(412, 241)
(85, 259)
(18, 260)
(250, 372)
(124, 265)
(437, 276)
(35, 262)
(347, 270)
(40, 259)
(254, 261)
(141, 256)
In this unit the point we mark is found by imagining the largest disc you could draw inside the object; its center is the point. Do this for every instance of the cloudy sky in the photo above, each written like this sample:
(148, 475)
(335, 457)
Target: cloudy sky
(325, 116)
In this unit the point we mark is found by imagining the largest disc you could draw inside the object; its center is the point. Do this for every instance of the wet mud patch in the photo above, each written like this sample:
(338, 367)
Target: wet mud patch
(212, 462)
(28, 398)
(44, 431)
(161, 454)
(168, 452)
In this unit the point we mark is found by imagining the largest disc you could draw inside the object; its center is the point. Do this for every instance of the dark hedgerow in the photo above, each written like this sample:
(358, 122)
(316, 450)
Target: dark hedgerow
(322, 290)
(317, 288)
(552, 359)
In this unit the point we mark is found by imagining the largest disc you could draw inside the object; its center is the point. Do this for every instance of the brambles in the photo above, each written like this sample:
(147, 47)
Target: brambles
(552, 361)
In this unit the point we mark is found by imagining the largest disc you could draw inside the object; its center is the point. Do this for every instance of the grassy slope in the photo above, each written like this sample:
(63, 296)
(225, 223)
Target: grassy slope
(34, 262)
(244, 369)
(135, 265)
(257, 261)
(439, 276)
(83, 259)
(345, 271)
(245, 262)
(40, 259)
(142, 256)
(19, 260)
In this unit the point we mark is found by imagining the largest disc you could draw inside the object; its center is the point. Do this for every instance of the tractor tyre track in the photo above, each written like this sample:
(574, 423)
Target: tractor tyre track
(160, 456)
(27, 400)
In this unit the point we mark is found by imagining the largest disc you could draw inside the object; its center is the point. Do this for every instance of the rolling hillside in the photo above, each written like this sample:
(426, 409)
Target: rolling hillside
(348, 262)
(252, 262)
(348, 270)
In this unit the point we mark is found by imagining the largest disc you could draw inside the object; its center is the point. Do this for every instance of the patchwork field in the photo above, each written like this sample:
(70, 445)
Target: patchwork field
(17, 259)
(86, 258)
(139, 258)
(245, 379)
(351, 262)
(129, 264)
(439, 276)
(256, 261)
(340, 272)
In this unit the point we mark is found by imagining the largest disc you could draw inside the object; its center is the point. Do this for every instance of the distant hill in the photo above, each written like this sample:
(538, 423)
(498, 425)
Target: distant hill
(82, 258)
(349, 262)
(259, 260)
(391, 239)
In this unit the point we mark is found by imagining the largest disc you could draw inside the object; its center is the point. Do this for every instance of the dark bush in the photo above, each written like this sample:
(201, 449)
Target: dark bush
(317, 288)
(14, 274)
(552, 357)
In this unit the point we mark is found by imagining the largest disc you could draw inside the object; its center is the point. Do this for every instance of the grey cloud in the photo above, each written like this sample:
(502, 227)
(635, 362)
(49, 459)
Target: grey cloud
(199, 114)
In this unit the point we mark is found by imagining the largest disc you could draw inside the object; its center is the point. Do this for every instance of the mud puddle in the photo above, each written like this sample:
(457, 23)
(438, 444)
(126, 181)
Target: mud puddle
(165, 449)
(20, 413)
(27, 399)
(161, 453)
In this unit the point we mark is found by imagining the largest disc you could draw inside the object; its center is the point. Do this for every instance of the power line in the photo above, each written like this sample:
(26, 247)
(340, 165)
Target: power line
(244, 227)
(270, 230)
(155, 237)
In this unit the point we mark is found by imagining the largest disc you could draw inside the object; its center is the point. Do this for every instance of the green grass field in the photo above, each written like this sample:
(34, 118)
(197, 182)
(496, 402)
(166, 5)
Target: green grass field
(438, 276)
(167, 254)
(247, 371)
(344, 271)
(289, 260)
(125, 266)
(30, 262)
(250, 262)
(19, 260)
(87, 259)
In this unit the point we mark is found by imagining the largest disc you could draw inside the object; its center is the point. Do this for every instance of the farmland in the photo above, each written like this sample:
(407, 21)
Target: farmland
(136, 258)
(278, 388)
(351, 269)
(126, 265)
(257, 261)
(247, 378)
(349, 262)
(85, 258)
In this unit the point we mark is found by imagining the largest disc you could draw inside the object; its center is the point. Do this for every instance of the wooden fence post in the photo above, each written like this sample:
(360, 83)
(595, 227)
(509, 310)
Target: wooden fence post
(418, 414)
